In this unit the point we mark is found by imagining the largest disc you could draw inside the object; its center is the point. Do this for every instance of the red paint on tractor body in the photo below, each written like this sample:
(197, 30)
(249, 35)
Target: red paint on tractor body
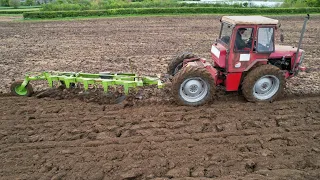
(288, 52)
(218, 55)
(215, 74)
(302, 68)
(233, 81)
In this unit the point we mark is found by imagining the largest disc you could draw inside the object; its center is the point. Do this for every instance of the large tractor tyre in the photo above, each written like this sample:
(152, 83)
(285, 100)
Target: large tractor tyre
(17, 90)
(193, 86)
(263, 83)
(177, 63)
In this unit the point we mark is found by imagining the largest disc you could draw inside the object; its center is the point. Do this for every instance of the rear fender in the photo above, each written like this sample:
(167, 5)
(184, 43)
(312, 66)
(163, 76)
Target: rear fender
(186, 61)
(203, 64)
(256, 62)
(232, 81)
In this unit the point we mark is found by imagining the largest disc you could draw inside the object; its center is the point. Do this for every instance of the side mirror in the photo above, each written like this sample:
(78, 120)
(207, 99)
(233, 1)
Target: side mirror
(281, 36)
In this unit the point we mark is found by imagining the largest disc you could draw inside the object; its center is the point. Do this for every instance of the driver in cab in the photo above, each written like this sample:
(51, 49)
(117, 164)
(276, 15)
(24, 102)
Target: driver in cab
(240, 43)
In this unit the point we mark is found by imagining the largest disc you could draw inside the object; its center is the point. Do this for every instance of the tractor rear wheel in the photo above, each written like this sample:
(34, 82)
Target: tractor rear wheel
(193, 86)
(177, 63)
(18, 90)
(264, 83)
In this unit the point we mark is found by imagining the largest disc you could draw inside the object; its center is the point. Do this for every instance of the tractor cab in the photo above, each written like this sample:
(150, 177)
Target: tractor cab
(246, 41)
(243, 41)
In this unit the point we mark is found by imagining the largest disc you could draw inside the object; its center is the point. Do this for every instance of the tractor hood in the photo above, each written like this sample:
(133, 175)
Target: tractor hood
(287, 51)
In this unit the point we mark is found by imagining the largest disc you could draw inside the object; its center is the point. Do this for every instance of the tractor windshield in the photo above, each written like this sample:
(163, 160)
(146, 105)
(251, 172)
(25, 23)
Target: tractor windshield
(225, 33)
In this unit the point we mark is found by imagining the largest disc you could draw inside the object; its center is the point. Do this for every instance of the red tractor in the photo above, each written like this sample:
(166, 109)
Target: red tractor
(245, 58)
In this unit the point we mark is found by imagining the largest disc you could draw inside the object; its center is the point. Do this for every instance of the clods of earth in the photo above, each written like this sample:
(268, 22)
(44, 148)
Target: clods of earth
(61, 134)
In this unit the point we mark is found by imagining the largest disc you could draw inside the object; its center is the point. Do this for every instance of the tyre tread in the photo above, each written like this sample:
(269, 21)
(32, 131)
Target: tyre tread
(192, 71)
(177, 60)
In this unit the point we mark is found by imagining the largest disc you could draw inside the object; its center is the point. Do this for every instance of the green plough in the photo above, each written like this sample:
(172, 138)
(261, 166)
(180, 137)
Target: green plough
(70, 79)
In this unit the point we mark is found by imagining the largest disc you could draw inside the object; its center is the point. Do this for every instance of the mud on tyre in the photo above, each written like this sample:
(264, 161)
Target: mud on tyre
(193, 86)
(176, 63)
(263, 83)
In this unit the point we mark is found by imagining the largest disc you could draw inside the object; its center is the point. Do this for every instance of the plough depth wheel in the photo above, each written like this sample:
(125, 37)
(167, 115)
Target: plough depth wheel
(18, 89)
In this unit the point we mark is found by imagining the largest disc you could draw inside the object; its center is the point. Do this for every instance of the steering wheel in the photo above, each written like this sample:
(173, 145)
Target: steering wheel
(249, 43)
(225, 39)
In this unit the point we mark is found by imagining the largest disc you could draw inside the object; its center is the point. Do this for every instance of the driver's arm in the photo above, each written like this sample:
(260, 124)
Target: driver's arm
(240, 44)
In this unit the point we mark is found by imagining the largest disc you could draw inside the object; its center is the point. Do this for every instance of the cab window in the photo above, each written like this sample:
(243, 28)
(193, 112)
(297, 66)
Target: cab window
(265, 40)
(243, 40)
(225, 33)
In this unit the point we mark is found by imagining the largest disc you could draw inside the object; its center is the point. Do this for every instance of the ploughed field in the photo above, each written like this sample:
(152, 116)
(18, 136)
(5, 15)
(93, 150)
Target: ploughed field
(65, 135)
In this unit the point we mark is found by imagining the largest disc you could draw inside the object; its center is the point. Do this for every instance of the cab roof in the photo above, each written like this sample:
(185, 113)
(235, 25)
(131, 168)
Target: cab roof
(249, 20)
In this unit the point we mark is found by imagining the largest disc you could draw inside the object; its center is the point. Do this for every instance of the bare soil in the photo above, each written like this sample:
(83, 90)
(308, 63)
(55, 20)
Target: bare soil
(60, 134)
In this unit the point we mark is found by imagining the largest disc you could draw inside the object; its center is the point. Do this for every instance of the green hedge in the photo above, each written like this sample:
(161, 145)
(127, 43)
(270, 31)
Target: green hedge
(16, 11)
(185, 10)
(56, 6)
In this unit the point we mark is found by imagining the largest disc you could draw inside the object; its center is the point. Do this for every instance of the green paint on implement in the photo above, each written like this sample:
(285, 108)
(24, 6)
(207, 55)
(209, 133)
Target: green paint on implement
(21, 90)
(104, 80)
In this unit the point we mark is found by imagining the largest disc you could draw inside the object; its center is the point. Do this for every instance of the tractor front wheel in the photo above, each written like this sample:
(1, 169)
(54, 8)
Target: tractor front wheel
(193, 86)
(264, 83)
(177, 63)
(18, 90)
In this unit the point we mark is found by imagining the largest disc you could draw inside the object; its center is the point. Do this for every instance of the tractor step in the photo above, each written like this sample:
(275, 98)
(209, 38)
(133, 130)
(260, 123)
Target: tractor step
(103, 79)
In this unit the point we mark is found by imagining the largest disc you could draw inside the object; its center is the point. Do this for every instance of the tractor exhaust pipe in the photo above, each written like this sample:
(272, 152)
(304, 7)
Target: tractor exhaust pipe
(300, 41)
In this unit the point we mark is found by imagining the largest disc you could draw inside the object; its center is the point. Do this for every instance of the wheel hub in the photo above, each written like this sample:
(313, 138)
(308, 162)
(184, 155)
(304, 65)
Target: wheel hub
(266, 87)
(263, 85)
(193, 89)
(21, 90)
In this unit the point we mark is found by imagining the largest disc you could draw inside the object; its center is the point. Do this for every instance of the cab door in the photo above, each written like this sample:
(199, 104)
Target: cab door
(241, 50)
(259, 45)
